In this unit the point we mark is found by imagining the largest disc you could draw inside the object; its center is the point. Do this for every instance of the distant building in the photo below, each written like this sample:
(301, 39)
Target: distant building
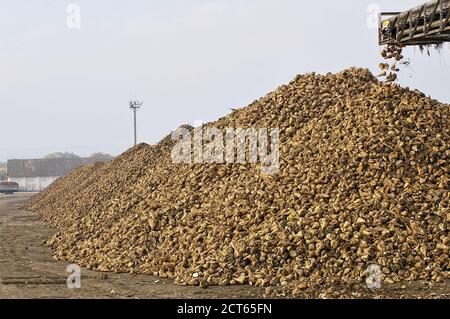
(35, 175)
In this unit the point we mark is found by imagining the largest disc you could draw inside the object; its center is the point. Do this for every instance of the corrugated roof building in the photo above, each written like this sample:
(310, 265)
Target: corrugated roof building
(34, 175)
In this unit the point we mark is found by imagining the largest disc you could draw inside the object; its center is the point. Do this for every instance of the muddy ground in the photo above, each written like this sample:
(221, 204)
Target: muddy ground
(28, 270)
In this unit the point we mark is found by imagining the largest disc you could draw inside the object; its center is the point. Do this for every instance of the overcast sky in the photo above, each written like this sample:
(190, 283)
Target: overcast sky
(67, 89)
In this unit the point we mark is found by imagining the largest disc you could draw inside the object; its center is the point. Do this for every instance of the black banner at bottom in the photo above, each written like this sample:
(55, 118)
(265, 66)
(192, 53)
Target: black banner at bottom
(223, 308)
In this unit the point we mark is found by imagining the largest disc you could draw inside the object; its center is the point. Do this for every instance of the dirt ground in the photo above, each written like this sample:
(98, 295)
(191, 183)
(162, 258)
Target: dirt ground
(28, 270)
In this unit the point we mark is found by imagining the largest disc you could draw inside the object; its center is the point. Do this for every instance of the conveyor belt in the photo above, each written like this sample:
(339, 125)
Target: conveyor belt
(426, 24)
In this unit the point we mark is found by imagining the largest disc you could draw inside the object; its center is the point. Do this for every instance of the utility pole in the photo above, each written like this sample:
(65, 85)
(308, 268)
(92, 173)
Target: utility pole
(135, 106)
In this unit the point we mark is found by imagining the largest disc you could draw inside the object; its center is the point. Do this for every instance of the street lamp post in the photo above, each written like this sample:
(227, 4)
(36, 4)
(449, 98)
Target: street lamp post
(135, 106)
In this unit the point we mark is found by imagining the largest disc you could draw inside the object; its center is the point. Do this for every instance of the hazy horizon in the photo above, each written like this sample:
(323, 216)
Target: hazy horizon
(64, 89)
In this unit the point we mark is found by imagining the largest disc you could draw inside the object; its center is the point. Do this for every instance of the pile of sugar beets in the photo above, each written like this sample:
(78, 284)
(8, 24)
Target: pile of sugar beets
(363, 180)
